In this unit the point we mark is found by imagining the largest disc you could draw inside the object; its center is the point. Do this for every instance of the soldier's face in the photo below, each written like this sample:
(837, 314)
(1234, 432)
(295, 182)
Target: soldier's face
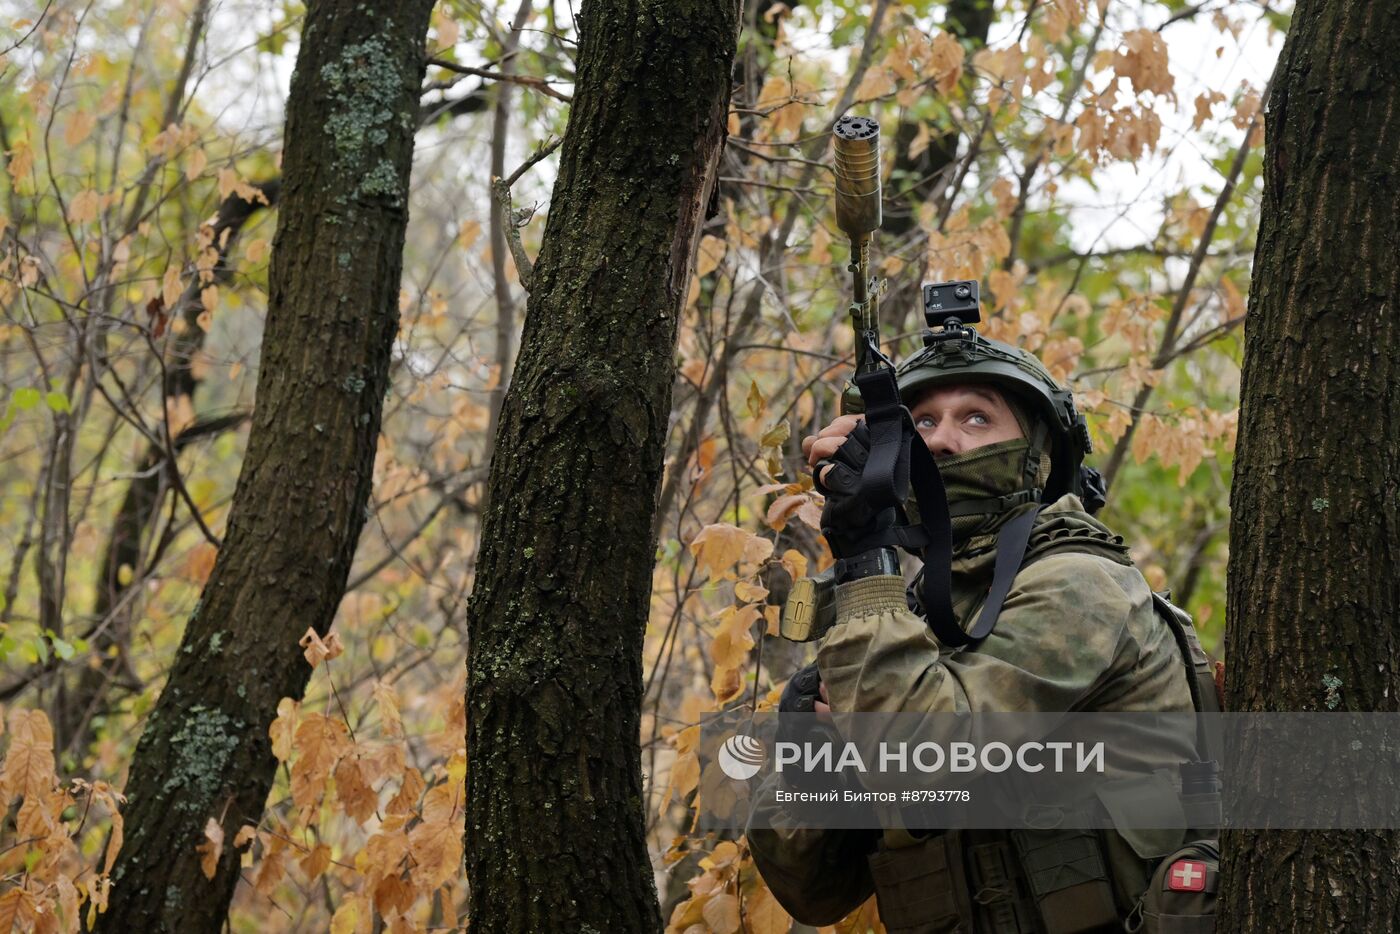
(958, 418)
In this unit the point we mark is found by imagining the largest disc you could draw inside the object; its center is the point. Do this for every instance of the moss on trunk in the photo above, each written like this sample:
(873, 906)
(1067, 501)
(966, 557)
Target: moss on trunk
(555, 813)
(302, 493)
(1315, 528)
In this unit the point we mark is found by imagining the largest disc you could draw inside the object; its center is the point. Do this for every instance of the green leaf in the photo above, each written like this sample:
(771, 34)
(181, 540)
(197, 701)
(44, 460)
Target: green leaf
(25, 399)
(63, 650)
(58, 402)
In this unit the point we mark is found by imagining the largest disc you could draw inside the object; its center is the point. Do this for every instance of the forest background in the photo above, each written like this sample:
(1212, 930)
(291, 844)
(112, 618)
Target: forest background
(1095, 163)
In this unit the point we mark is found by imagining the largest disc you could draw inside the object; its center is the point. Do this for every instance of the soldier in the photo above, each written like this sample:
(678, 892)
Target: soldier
(1077, 632)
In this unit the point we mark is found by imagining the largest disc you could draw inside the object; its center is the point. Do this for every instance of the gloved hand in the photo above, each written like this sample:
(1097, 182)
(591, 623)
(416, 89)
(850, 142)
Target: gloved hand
(797, 725)
(802, 692)
(849, 522)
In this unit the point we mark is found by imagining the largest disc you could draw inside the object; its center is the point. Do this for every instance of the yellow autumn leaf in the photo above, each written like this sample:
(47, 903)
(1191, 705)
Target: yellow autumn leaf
(195, 161)
(273, 866)
(319, 742)
(228, 182)
(19, 907)
(782, 508)
(387, 698)
(170, 287)
(436, 843)
(447, 31)
(721, 913)
(317, 649)
(732, 643)
(710, 254)
(876, 83)
(795, 563)
(468, 234)
(346, 919)
(777, 435)
(284, 727)
(685, 775)
(406, 799)
(945, 59)
(315, 862)
(21, 161)
(84, 207)
(719, 547)
(353, 791)
(79, 126)
(29, 764)
(746, 592)
(384, 852)
(1143, 61)
(765, 915)
(726, 684)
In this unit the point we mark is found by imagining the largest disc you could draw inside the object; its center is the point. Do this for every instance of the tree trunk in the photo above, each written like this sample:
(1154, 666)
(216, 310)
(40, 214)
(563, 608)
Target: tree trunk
(300, 500)
(555, 829)
(1315, 510)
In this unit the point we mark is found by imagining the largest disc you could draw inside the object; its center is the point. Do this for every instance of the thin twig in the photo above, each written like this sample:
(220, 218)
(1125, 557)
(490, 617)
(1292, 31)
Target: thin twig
(528, 81)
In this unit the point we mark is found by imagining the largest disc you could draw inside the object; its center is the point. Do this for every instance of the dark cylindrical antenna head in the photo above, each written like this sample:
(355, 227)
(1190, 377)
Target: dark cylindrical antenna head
(857, 143)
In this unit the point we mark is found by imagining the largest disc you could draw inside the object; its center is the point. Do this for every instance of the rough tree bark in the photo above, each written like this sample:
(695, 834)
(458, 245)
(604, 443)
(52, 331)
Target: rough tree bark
(555, 828)
(299, 504)
(1315, 510)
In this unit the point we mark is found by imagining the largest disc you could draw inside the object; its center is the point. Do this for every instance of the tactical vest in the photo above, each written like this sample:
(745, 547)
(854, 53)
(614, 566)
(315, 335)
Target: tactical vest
(1065, 881)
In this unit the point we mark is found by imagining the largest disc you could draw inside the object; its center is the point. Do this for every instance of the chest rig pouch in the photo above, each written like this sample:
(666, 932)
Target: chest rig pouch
(1073, 881)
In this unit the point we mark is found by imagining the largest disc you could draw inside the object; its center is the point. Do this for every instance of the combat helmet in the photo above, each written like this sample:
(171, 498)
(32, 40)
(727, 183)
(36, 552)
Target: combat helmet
(961, 355)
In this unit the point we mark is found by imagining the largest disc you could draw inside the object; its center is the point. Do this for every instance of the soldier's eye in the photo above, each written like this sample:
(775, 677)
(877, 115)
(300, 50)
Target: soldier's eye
(925, 421)
(977, 418)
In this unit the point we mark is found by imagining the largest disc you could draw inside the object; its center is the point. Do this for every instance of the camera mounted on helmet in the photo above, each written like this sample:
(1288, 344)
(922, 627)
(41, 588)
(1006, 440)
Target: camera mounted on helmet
(954, 353)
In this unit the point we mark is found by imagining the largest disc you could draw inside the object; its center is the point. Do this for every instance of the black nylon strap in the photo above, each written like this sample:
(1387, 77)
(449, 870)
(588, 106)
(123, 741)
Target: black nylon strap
(937, 586)
(886, 474)
(1011, 550)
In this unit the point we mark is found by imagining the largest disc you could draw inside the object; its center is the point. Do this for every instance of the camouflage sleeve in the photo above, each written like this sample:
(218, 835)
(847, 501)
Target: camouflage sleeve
(818, 876)
(1062, 630)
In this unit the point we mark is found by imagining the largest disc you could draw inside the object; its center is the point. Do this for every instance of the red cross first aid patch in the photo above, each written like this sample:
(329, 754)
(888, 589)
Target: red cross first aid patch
(1187, 875)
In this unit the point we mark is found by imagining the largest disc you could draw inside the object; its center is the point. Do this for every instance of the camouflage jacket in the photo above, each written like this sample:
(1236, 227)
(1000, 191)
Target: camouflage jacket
(1077, 633)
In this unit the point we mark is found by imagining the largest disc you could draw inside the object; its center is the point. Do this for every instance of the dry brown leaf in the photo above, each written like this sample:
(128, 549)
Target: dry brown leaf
(315, 862)
(436, 843)
(390, 721)
(211, 849)
(319, 742)
(317, 649)
(283, 729)
(29, 765)
(273, 866)
(348, 915)
(406, 800)
(710, 254)
(79, 127)
(721, 913)
(352, 789)
(719, 547)
(764, 915)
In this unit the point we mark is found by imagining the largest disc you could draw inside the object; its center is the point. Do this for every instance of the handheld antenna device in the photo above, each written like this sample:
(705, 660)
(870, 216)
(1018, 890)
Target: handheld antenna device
(858, 215)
